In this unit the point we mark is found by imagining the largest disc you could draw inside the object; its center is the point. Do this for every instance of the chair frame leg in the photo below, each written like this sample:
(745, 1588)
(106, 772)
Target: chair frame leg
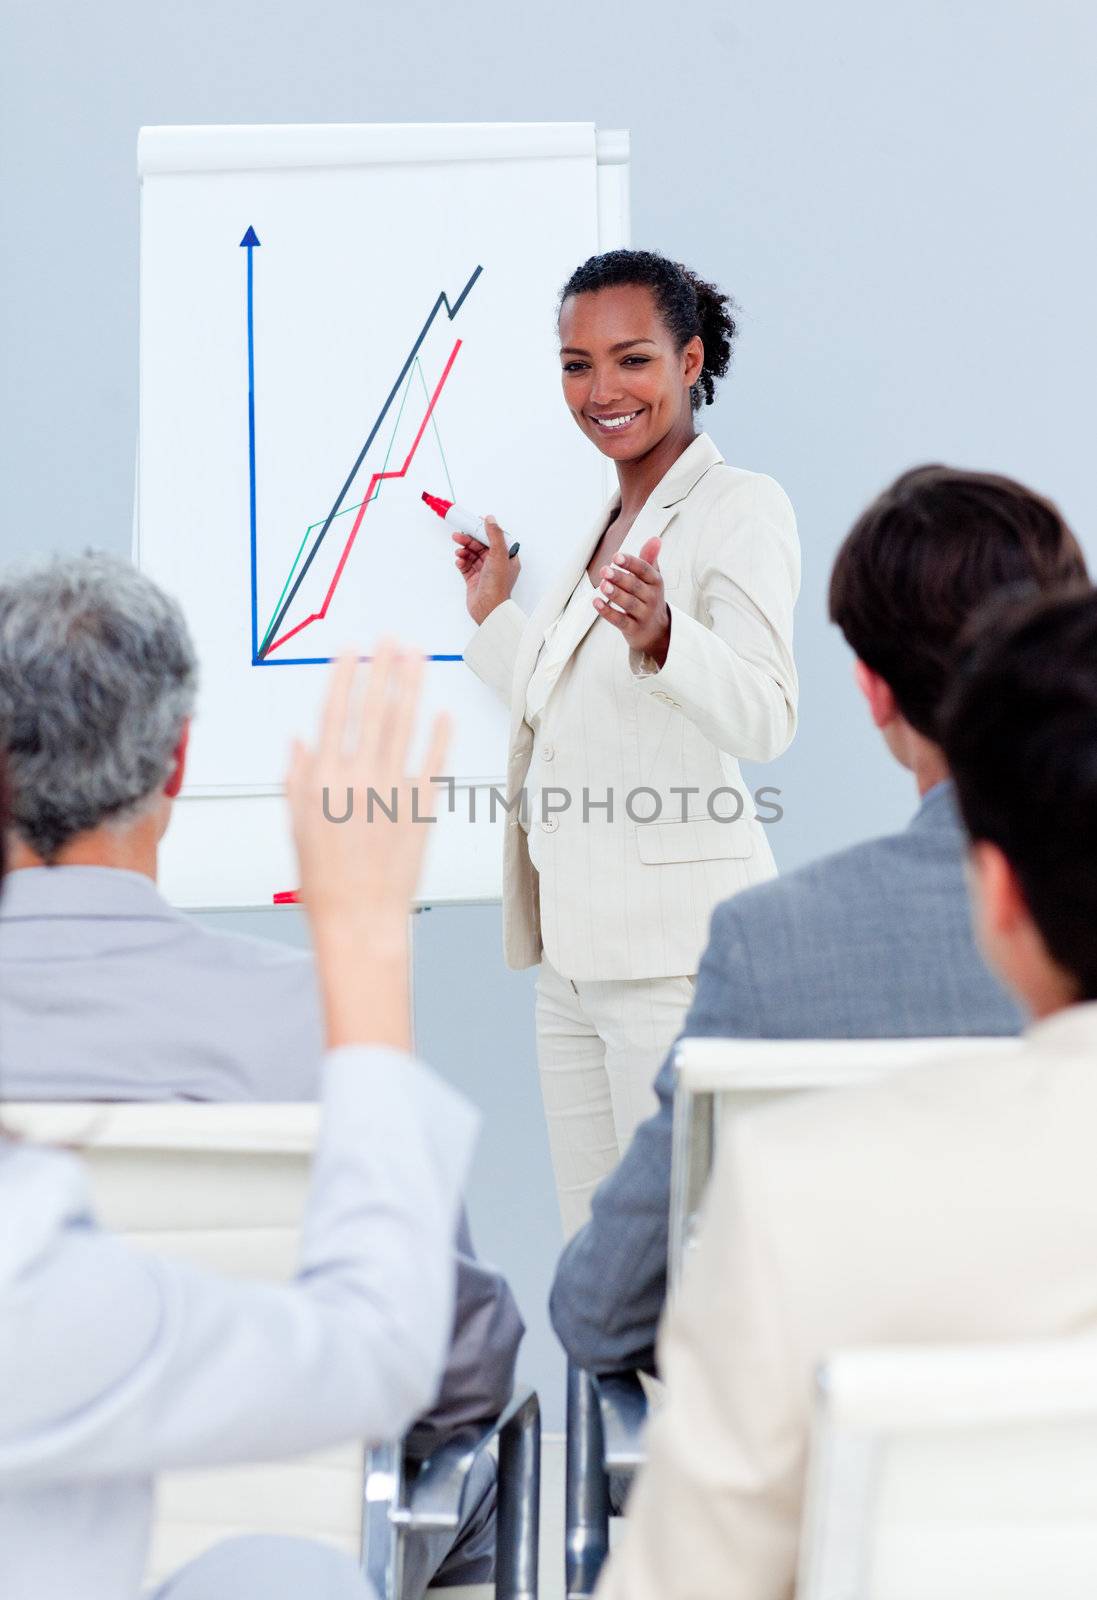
(382, 1550)
(518, 1513)
(586, 1489)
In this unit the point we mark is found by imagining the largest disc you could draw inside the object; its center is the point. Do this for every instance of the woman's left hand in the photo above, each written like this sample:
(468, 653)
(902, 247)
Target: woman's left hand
(644, 618)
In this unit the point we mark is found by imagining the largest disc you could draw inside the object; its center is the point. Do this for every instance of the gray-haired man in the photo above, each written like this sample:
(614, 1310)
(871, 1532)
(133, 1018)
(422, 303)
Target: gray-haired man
(109, 993)
(106, 991)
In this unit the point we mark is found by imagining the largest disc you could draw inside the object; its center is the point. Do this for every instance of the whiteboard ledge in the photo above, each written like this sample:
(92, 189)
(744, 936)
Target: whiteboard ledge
(168, 151)
(244, 791)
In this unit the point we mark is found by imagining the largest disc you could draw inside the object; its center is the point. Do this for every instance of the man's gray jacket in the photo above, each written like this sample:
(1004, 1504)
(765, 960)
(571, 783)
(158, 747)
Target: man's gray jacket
(873, 943)
(109, 993)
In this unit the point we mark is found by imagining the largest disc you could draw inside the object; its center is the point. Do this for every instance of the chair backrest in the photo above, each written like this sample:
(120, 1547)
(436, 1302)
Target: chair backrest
(221, 1186)
(720, 1078)
(965, 1473)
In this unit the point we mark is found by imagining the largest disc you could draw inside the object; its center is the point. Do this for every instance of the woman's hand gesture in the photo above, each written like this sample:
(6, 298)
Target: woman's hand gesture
(489, 572)
(636, 585)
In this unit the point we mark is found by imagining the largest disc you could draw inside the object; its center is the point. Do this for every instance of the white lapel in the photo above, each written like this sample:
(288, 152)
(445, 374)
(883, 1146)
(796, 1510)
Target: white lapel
(656, 515)
(551, 604)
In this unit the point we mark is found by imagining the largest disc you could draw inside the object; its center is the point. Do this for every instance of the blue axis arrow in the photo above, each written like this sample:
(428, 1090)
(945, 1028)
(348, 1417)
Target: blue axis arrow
(250, 242)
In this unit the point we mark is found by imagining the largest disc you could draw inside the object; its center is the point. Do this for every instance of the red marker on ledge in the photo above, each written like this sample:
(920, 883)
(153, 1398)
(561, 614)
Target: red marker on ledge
(462, 521)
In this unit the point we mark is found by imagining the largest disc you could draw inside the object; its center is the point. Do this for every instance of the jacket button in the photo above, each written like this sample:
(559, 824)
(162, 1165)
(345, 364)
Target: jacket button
(550, 824)
(547, 752)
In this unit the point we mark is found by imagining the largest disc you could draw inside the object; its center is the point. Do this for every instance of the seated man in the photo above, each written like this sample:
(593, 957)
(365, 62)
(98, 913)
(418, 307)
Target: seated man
(873, 942)
(952, 1202)
(109, 993)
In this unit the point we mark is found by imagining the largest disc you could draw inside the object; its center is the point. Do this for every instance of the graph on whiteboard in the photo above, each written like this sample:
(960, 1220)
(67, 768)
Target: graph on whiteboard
(403, 436)
(318, 349)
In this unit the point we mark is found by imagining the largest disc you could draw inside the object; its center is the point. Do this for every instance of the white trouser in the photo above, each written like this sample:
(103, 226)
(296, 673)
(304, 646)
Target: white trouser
(600, 1044)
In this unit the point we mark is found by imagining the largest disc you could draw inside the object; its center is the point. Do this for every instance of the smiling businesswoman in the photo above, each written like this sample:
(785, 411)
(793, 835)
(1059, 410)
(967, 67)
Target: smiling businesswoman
(634, 688)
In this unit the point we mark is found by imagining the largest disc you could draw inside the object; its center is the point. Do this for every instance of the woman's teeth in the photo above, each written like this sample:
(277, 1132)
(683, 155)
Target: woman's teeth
(616, 422)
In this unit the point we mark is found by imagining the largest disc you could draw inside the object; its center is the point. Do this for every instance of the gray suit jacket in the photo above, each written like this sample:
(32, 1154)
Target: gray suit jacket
(873, 943)
(109, 993)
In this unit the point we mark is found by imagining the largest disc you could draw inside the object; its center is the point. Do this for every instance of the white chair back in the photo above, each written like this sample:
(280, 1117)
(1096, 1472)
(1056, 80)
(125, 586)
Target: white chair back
(223, 1187)
(721, 1078)
(960, 1473)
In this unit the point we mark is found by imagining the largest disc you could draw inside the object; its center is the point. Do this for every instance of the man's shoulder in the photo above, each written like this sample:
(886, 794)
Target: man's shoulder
(925, 1114)
(875, 941)
(157, 1004)
(241, 955)
(836, 887)
(950, 1199)
(248, 1012)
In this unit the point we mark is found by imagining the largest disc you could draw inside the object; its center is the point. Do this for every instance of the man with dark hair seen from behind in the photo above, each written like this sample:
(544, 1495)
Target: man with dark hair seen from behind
(107, 992)
(950, 1203)
(874, 942)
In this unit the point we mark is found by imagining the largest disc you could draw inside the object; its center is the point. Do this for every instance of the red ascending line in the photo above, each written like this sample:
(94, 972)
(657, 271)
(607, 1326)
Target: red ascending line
(378, 477)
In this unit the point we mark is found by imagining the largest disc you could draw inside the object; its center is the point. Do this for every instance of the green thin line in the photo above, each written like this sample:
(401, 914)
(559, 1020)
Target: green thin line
(392, 441)
(377, 490)
(312, 526)
(437, 435)
(285, 586)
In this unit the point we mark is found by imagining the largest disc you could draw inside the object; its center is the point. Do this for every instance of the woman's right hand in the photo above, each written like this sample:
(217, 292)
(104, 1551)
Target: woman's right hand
(358, 873)
(489, 573)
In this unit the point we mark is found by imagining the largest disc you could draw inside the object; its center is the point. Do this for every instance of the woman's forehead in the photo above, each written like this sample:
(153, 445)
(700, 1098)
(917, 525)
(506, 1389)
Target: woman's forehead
(620, 312)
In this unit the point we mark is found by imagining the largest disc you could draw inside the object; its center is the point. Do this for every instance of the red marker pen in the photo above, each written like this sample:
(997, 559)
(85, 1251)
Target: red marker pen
(462, 521)
(288, 897)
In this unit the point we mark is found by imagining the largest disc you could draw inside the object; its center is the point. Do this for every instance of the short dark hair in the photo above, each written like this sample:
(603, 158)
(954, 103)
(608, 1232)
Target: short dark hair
(924, 556)
(690, 307)
(1019, 730)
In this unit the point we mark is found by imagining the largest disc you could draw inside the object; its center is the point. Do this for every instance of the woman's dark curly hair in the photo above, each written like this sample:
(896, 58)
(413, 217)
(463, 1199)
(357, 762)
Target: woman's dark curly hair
(690, 307)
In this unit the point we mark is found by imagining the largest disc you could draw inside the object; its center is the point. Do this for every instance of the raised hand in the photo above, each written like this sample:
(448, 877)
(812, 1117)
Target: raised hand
(358, 876)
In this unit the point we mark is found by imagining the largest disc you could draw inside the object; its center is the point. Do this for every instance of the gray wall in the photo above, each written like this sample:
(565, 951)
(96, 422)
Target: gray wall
(899, 195)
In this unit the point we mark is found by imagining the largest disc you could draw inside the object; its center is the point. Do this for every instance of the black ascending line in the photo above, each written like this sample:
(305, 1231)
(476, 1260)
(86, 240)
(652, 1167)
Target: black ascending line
(452, 310)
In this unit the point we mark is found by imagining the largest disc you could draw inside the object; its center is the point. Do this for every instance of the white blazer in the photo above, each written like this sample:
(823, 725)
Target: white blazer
(117, 1364)
(951, 1203)
(622, 896)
